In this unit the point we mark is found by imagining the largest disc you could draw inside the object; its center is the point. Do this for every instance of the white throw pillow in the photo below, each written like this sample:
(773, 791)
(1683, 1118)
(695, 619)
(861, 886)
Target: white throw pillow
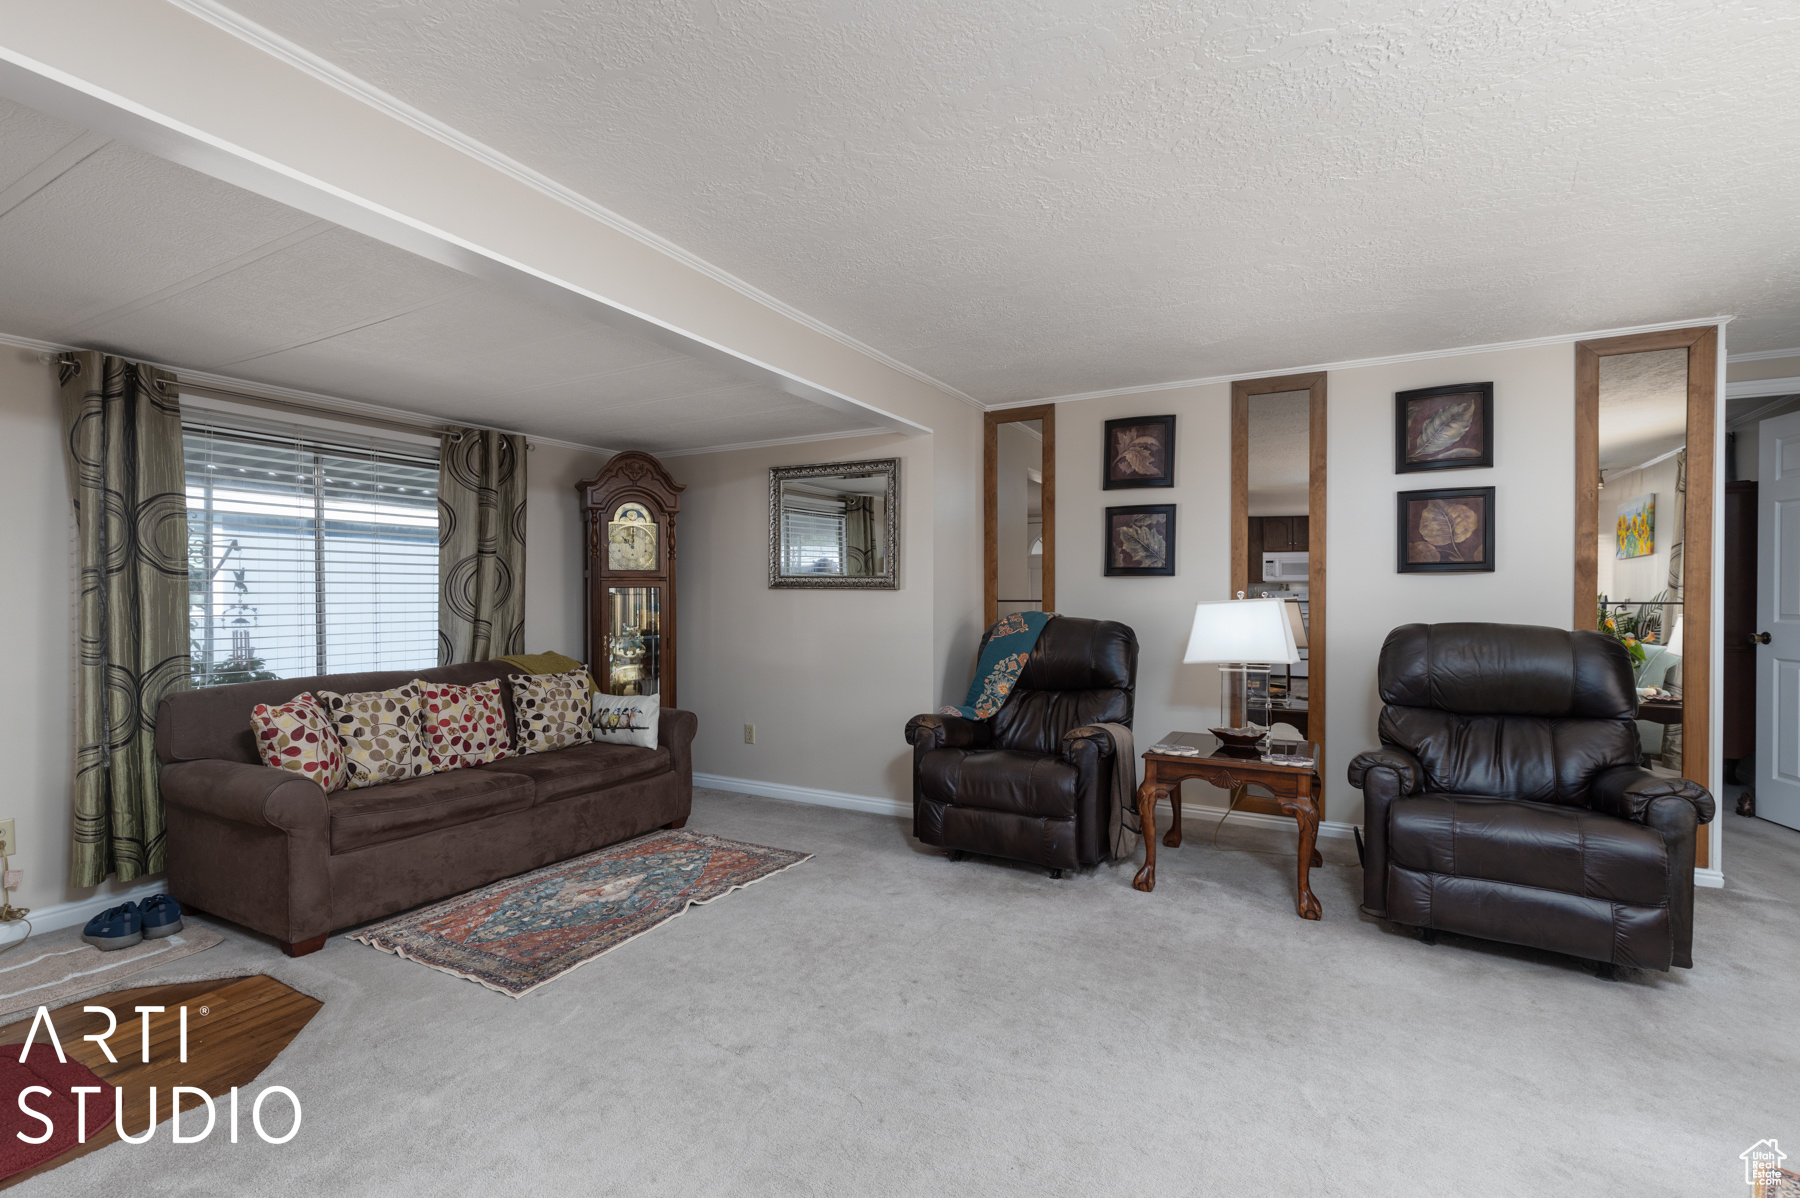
(626, 719)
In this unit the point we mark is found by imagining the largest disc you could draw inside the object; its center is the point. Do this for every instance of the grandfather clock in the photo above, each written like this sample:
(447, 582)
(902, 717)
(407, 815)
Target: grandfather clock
(628, 512)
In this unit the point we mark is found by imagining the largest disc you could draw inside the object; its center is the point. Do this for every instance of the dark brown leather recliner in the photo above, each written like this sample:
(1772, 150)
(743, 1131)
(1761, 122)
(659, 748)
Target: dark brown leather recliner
(1507, 801)
(1034, 781)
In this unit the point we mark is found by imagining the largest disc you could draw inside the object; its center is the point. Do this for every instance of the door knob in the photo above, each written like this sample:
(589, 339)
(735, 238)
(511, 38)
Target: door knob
(1759, 638)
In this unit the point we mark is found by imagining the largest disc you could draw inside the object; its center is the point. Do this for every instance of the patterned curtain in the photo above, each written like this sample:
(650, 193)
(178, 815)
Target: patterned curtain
(122, 426)
(481, 546)
(859, 536)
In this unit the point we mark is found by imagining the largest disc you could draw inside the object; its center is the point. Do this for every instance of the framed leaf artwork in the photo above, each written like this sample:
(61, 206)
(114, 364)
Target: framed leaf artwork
(1139, 452)
(1637, 526)
(1444, 428)
(1140, 541)
(1446, 532)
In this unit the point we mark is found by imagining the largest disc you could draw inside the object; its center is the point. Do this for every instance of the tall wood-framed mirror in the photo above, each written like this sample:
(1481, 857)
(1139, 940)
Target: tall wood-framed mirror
(1019, 510)
(1278, 528)
(1645, 423)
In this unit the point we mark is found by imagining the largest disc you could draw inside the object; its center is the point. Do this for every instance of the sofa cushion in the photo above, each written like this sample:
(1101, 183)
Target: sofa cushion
(583, 768)
(464, 725)
(297, 736)
(382, 736)
(551, 709)
(1000, 780)
(376, 814)
(1548, 846)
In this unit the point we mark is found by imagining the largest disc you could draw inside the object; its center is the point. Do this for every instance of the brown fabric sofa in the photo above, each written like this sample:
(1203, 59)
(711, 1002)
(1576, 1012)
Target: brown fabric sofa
(272, 851)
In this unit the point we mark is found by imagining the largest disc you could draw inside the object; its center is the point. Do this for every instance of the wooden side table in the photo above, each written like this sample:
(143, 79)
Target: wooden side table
(1294, 788)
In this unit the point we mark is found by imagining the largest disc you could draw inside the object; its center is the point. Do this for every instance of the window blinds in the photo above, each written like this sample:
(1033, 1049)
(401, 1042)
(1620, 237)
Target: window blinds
(812, 536)
(307, 555)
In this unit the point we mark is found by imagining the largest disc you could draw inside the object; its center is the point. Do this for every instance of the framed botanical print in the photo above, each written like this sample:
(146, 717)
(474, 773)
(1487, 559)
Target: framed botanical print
(1637, 526)
(1139, 452)
(1140, 541)
(1444, 428)
(1446, 532)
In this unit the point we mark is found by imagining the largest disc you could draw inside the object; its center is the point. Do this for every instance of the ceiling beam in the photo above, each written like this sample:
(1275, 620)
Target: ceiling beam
(164, 80)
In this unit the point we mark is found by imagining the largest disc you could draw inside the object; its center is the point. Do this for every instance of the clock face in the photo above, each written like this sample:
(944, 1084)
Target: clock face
(631, 539)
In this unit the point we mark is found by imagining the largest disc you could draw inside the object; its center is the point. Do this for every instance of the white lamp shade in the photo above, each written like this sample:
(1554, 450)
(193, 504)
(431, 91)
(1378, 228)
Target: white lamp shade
(1241, 630)
(1674, 645)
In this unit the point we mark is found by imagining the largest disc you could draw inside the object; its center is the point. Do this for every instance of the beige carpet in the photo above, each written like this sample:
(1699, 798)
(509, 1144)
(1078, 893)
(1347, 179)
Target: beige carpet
(887, 1023)
(59, 967)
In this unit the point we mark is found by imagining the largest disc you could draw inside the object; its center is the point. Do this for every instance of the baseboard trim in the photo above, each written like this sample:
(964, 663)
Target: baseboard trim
(67, 915)
(805, 794)
(1714, 878)
(894, 807)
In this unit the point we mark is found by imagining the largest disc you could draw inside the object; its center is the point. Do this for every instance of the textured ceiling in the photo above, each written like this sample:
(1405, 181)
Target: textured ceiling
(1028, 198)
(104, 246)
(1280, 465)
(1643, 407)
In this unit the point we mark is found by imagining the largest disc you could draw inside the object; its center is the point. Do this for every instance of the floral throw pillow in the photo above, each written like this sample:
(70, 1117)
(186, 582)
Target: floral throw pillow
(381, 733)
(464, 725)
(297, 736)
(552, 709)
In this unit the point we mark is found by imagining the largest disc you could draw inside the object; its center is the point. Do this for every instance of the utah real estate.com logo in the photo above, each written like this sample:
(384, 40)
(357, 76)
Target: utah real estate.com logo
(52, 1041)
(1762, 1164)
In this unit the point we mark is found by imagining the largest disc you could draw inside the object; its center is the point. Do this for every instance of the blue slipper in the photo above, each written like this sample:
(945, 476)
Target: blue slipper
(115, 927)
(161, 916)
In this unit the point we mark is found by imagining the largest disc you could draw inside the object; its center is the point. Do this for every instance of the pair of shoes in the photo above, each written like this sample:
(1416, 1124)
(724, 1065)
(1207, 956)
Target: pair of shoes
(131, 923)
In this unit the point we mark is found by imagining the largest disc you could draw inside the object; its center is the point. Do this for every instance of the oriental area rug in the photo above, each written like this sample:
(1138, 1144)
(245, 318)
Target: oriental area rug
(524, 932)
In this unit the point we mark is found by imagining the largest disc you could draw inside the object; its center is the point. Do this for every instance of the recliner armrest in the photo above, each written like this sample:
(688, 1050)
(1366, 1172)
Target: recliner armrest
(934, 731)
(1087, 739)
(257, 795)
(1409, 774)
(1628, 791)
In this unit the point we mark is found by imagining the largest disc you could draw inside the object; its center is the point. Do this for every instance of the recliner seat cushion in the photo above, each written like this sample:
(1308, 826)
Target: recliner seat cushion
(583, 768)
(1000, 780)
(377, 814)
(1571, 850)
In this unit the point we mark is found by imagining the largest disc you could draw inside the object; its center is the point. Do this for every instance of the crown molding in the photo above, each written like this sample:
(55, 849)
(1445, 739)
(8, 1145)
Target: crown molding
(838, 436)
(1357, 363)
(1755, 388)
(1763, 355)
(324, 405)
(302, 59)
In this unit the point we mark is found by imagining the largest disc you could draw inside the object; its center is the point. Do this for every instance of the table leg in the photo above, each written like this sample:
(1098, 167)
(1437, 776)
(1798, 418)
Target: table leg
(1173, 839)
(1146, 801)
(1305, 812)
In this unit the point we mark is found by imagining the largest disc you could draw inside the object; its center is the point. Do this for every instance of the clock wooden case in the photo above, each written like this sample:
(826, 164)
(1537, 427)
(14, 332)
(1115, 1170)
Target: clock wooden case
(628, 515)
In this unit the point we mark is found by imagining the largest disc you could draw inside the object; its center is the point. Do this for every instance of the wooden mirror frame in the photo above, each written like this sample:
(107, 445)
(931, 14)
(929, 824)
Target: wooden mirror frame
(1702, 345)
(990, 503)
(1241, 391)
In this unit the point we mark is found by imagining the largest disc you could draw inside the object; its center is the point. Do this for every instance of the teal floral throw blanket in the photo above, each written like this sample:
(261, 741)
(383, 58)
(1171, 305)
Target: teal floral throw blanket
(1009, 643)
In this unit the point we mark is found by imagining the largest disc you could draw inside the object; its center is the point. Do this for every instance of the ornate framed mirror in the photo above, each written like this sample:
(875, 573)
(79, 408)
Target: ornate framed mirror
(835, 526)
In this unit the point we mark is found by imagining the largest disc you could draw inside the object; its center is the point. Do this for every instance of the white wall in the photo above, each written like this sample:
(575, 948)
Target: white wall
(828, 677)
(1534, 527)
(554, 553)
(1171, 697)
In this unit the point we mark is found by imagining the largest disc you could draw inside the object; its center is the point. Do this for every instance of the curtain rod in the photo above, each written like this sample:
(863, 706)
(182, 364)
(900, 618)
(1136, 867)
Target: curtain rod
(324, 410)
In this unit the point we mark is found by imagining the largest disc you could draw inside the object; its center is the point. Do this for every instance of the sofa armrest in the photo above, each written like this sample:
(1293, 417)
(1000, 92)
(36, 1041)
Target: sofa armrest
(257, 795)
(1629, 791)
(1409, 775)
(946, 731)
(675, 731)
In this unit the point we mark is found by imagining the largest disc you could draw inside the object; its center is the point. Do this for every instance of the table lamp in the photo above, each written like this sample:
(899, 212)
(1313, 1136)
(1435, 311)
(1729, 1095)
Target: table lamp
(1244, 636)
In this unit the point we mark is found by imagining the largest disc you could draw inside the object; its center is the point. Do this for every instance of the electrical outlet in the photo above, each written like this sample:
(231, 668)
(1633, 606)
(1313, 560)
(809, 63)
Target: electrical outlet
(749, 739)
(9, 843)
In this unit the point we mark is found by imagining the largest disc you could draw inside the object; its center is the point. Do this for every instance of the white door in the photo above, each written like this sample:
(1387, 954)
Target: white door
(1778, 618)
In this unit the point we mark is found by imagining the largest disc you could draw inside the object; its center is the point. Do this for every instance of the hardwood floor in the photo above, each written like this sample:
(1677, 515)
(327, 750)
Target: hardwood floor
(236, 1027)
